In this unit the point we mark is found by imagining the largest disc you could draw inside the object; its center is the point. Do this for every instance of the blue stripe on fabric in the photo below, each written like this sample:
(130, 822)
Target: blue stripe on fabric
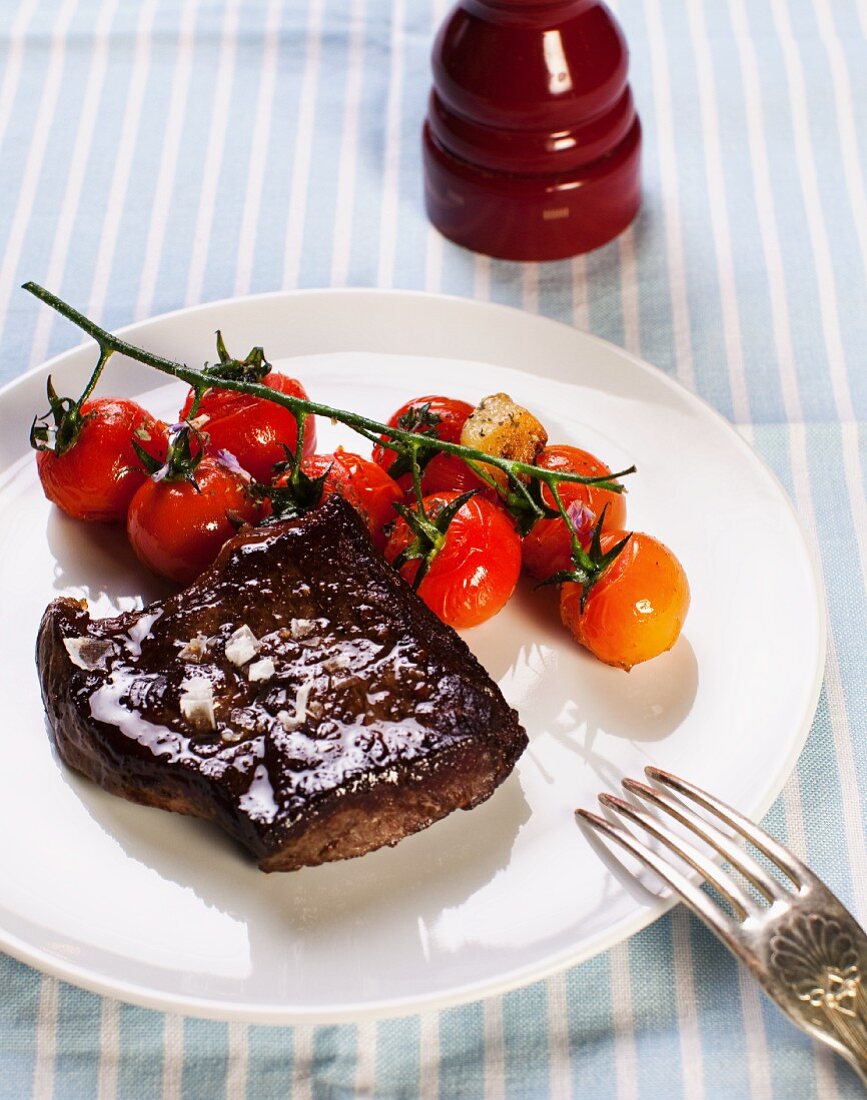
(333, 1067)
(458, 276)
(78, 1033)
(19, 1008)
(177, 242)
(324, 175)
(850, 34)
(846, 607)
(22, 120)
(462, 1044)
(526, 1051)
(506, 283)
(135, 222)
(657, 1041)
(655, 312)
(140, 1069)
(590, 1018)
(367, 198)
(89, 218)
(271, 1059)
(47, 196)
(791, 1056)
(415, 45)
(206, 1060)
(273, 214)
(753, 293)
(723, 1041)
(225, 228)
(397, 1067)
(824, 834)
(555, 289)
(824, 837)
(700, 270)
(798, 259)
(605, 304)
(850, 277)
(847, 601)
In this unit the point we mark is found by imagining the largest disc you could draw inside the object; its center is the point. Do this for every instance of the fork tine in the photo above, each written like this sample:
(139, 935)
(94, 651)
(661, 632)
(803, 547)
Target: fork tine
(702, 905)
(738, 898)
(737, 857)
(789, 864)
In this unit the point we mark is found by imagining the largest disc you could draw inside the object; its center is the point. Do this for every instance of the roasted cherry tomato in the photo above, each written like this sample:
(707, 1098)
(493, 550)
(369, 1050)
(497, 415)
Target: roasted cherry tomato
(177, 529)
(97, 476)
(442, 417)
(475, 572)
(253, 429)
(547, 549)
(636, 609)
(366, 486)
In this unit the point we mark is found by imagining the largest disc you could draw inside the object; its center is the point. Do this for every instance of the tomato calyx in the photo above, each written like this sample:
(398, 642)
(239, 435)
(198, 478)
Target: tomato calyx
(429, 533)
(297, 493)
(422, 421)
(62, 435)
(181, 461)
(590, 565)
(68, 421)
(524, 502)
(251, 369)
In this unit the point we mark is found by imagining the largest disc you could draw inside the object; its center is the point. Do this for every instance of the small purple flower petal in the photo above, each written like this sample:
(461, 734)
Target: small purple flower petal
(582, 519)
(227, 460)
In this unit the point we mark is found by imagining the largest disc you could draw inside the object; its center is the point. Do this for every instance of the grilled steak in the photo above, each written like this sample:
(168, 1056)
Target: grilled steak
(299, 694)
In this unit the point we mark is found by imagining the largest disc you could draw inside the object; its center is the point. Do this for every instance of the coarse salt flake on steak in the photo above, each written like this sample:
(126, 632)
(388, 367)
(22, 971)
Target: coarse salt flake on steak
(299, 694)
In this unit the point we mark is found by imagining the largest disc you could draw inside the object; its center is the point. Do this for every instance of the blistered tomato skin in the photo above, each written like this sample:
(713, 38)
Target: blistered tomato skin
(96, 478)
(547, 549)
(476, 571)
(253, 429)
(636, 610)
(177, 531)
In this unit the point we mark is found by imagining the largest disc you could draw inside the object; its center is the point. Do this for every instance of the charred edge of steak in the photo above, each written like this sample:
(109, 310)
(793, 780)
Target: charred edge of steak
(399, 723)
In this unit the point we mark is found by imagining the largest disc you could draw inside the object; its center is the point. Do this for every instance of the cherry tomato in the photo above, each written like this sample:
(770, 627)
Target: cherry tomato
(475, 572)
(636, 609)
(253, 429)
(96, 478)
(443, 472)
(366, 486)
(548, 547)
(177, 530)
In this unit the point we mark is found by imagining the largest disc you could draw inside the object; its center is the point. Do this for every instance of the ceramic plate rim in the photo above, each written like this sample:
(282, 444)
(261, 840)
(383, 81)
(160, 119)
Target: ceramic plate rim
(210, 1008)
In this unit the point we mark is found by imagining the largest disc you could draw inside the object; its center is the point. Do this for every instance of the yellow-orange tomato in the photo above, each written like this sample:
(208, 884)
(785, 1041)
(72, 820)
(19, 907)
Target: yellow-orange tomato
(636, 609)
(548, 547)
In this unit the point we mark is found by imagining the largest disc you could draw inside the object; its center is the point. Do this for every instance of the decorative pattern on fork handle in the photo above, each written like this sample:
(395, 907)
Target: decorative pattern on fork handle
(819, 961)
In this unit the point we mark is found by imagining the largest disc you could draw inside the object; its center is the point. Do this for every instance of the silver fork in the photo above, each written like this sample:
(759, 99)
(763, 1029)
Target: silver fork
(806, 949)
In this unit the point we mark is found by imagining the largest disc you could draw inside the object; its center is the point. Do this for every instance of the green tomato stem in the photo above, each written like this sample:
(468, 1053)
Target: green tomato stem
(109, 343)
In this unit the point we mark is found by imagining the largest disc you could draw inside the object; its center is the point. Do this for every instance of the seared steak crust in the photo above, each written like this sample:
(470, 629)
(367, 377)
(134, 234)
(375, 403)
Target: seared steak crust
(299, 694)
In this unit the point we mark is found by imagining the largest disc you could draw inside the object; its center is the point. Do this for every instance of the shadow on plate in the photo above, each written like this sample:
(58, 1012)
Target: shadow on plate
(96, 560)
(438, 868)
(645, 704)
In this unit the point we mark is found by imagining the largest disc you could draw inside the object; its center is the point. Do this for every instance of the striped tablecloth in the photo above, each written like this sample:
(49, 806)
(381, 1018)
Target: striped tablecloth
(159, 153)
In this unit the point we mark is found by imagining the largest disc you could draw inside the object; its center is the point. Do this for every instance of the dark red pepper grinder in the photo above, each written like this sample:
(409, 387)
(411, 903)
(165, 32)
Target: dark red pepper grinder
(532, 145)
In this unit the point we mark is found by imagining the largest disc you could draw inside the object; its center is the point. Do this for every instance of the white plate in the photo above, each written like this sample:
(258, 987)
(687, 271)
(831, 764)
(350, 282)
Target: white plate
(161, 910)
